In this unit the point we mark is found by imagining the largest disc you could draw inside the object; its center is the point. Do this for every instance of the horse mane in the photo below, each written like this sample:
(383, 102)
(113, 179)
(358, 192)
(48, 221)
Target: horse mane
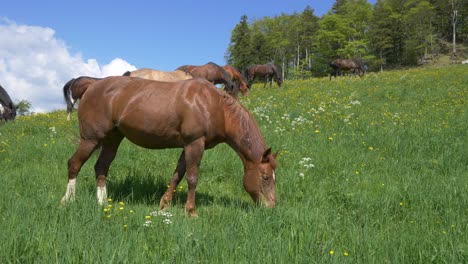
(8, 105)
(127, 73)
(276, 70)
(252, 138)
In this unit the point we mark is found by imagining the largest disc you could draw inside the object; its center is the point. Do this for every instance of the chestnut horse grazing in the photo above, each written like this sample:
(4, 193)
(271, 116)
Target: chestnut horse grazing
(74, 89)
(238, 79)
(213, 73)
(156, 75)
(267, 72)
(9, 109)
(353, 65)
(193, 115)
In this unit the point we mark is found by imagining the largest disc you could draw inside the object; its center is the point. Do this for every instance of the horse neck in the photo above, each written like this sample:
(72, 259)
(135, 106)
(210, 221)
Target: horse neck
(5, 99)
(243, 134)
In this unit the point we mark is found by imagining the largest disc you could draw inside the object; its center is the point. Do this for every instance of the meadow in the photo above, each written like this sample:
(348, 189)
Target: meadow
(371, 170)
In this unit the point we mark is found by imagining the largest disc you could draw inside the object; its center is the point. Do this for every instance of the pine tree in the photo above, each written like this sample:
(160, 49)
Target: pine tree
(239, 50)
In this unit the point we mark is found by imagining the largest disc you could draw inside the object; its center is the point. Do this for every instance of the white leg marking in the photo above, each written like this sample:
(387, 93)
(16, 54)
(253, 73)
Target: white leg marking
(70, 194)
(101, 195)
(68, 117)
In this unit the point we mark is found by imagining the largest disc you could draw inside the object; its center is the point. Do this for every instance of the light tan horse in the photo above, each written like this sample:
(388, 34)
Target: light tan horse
(157, 75)
(193, 115)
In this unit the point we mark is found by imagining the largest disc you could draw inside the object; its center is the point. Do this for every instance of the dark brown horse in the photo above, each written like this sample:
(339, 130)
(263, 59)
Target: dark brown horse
(339, 66)
(238, 79)
(9, 109)
(213, 73)
(192, 114)
(267, 72)
(74, 89)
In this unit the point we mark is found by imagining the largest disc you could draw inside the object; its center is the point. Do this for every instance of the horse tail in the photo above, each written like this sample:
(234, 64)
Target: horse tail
(68, 96)
(74, 90)
(127, 73)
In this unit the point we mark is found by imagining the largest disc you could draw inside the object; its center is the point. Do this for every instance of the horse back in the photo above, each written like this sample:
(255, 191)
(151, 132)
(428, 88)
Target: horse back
(154, 114)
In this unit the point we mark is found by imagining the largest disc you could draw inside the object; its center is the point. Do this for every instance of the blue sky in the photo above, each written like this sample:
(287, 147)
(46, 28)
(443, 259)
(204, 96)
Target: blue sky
(108, 37)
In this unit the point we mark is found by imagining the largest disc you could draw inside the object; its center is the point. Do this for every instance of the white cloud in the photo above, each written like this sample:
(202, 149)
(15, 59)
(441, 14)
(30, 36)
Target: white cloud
(34, 65)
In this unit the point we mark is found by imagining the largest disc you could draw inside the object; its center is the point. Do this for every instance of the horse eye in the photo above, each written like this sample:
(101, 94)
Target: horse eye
(265, 177)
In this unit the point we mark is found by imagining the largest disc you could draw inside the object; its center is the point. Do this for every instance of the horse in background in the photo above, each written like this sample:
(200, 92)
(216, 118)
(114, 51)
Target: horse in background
(74, 89)
(213, 73)
(238, 79)
(9, 108)
(267, 72)
(193, 115)
(353, 65)
(157, 75)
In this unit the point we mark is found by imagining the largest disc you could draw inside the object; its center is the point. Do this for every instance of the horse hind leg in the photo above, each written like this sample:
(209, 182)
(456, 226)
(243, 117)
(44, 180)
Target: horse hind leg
(179, 173)
(193, 155)
(101, 168)
(82, 154)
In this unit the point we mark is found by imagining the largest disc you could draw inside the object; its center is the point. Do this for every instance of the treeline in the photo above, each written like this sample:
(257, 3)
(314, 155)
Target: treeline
(392, 33)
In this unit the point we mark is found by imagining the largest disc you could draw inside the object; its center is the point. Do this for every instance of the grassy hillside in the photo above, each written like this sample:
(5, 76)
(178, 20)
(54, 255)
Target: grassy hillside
(371, 170)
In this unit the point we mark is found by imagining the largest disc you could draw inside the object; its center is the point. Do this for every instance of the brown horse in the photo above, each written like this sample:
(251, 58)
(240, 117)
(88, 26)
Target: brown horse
(9, 109)
(267, 72)
(157, 75)
(339, 66)
(192, 114)
(213, 73)
(238, 79)
(74, 89)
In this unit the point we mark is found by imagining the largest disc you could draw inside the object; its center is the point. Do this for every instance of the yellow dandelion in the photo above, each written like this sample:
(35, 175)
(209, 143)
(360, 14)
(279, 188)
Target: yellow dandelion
(356, 172)
(108, 216)
(332, 252)
(109, 200)
(132, 212)
(401, 203)
(106, 210)
(148, 217)
(125, 226)
(330, 138)
(317, 131)
(121, 203)
(109, 206)
(345, 253)
(121, 208)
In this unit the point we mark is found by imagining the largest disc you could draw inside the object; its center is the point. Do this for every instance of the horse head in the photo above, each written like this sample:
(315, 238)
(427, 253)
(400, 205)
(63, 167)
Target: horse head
(9, 112)
(260, 180)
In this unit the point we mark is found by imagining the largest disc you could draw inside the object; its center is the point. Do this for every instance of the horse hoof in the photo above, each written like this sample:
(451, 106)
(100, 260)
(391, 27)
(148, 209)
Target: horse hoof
(191, 213)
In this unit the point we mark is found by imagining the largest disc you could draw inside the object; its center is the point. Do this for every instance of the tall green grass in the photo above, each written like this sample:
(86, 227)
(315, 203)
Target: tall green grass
(371, 170)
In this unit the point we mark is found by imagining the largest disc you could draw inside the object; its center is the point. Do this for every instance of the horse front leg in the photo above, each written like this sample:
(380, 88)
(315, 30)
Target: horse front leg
(179, 173)
(82, 154)
(193, 155)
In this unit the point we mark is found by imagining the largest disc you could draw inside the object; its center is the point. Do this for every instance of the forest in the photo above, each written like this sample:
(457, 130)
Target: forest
(390, 34)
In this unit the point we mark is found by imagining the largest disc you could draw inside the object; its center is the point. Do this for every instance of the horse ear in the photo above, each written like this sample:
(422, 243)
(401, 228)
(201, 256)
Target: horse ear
(275, 154)
(265, 155)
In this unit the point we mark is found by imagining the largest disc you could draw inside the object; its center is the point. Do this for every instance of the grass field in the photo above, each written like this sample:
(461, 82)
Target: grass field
(371, 170)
